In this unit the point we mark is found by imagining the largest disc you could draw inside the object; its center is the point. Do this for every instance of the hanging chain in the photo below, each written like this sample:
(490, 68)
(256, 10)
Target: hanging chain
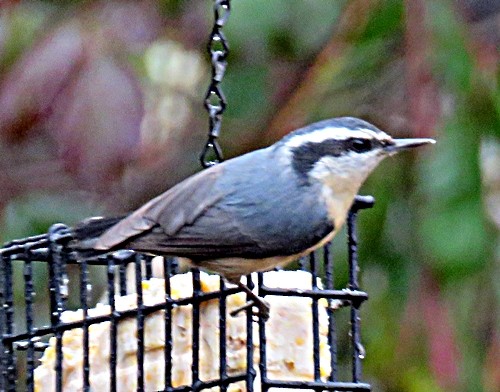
(215, 102)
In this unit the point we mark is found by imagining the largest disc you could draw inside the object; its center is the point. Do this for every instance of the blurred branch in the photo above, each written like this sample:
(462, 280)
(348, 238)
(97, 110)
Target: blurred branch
(443, 349)
(427, 320)
(292, 112)
(491, 374)
(423, 94)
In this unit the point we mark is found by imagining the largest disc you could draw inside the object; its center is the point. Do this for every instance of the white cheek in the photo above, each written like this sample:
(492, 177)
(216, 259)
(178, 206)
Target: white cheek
(341, 178)
(346, 171)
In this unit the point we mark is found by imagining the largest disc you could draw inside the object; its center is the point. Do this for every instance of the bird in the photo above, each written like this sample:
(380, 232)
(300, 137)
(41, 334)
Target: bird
(257, 211)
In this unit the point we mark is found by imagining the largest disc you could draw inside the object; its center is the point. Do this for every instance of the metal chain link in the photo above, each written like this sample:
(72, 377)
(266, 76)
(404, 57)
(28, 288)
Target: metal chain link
(215, 102)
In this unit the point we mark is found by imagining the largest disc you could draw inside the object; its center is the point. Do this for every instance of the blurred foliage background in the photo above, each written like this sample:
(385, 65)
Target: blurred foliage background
(101, 109)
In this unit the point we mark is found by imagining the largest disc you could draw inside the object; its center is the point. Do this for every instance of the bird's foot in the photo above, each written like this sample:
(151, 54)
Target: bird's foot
(262, 305)
(255, 300)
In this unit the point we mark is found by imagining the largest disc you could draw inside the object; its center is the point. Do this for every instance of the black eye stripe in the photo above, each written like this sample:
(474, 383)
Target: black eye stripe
(305, 156)
(360, 145)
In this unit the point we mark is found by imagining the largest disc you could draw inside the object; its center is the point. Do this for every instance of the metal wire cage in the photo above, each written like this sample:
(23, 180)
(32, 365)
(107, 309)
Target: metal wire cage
(24, 338)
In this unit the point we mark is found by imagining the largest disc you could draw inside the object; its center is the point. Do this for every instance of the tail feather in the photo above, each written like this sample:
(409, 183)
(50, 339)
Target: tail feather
(86, 232)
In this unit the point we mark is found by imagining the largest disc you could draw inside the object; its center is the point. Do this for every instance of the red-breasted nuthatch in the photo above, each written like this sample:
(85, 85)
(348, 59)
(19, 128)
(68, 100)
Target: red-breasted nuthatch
(259, 210)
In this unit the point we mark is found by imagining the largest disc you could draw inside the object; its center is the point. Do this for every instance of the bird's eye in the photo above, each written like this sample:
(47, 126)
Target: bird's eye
(361, 145)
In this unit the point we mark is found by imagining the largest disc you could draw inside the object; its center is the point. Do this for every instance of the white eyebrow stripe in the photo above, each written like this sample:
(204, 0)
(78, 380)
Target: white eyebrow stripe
(320, 135)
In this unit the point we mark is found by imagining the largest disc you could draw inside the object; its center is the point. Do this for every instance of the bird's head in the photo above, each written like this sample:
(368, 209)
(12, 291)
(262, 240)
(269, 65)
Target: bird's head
(341, 152)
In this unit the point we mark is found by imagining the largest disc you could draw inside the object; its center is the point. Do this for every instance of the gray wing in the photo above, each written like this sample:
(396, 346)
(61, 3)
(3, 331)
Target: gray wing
(243, 229)
(172, 210)
(239, 208)
(190, 219)
(215, 234)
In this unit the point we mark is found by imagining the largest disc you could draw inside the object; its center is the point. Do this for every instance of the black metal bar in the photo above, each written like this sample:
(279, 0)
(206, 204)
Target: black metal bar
(113, 330)
(210, 384)
(28, 298)
(140, 323)
(122, 259)
(352, 251)
(167, 274)
(195, 366)
(123, 279)
(250, 373)
(222, 335)
(18, 250)
(354, 296)
(357, 354)
(41, 253)
(262, 339)
(148, 262)
(315, 317)
(58, 236)
(321, 385)
(3, 356)
(8, 354)
(84, 291)
(25, 241)
(332, 327)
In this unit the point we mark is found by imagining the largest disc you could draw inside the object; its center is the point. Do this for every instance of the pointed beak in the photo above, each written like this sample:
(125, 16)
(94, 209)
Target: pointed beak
(405, 144)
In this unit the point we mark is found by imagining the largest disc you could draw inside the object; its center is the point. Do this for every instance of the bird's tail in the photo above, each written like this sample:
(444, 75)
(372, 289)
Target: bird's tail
(87, 232)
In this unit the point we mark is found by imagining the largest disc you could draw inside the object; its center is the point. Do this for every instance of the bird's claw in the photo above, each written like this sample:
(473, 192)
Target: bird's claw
(262, 305)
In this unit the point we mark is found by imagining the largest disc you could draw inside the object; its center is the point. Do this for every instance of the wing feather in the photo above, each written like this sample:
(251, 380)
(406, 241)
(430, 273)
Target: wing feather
(225, 211)
(172, 210)
(215, 234)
